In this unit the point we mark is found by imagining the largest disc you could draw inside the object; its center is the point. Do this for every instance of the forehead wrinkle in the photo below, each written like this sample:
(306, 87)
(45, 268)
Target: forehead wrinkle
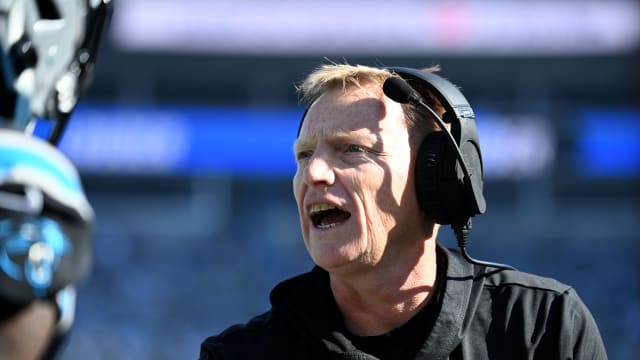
(363, 104)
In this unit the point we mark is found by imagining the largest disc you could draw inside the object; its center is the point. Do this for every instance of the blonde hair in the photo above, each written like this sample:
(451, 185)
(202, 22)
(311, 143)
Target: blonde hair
(328, 77)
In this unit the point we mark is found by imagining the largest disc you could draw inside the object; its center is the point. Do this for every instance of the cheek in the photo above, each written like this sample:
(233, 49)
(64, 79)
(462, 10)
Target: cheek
(391, 196)
(297, 188)
(298, 194)
(376, 197)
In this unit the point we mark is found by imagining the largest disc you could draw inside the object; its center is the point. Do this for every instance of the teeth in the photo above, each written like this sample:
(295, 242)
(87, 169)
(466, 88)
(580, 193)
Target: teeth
(327, 226)
(320, 207)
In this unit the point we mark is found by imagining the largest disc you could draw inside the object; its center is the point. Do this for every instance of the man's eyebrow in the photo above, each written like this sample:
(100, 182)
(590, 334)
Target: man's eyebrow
(335, 137)
(303, 144)
(299, 145)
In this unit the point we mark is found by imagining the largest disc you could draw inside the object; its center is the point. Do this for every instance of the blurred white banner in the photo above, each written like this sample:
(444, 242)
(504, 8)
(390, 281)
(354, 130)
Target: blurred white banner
(404, 27)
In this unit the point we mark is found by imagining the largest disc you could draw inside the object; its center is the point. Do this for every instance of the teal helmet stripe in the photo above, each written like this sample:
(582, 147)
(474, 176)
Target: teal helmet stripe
(20, 158)
(34, 163)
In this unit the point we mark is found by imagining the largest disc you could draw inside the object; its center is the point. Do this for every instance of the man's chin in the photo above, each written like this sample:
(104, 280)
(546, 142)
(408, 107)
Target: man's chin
(337, 260)
(332, 259)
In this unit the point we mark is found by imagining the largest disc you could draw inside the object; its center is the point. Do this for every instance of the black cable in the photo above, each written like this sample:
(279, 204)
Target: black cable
(58, 129)
(461, 231)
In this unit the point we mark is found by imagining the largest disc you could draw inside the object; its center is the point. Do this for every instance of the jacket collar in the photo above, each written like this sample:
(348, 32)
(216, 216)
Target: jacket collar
(306, 302)
(458, 305)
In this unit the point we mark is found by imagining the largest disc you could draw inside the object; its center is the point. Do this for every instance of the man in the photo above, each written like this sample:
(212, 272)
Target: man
(48, 51)
(383, 288)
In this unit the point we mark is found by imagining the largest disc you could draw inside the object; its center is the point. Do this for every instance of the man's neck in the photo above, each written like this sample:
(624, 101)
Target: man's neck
(378, 301)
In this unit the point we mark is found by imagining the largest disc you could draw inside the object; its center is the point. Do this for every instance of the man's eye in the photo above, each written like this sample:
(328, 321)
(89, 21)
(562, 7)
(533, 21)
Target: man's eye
(302, 155)
(355, 148)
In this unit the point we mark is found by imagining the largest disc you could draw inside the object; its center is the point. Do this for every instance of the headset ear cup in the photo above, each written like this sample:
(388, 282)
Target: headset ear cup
(427, 173)
(439, 180)
(475, 202)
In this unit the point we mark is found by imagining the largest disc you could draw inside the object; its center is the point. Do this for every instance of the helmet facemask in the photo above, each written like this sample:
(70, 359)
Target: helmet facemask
(48, 51)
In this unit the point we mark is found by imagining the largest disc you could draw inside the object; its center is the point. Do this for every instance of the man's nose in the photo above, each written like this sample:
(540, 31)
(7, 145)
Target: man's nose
(320, 171)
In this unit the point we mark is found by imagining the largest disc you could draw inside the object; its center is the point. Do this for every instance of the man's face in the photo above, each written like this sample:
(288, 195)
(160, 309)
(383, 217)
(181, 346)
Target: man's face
(354, 184)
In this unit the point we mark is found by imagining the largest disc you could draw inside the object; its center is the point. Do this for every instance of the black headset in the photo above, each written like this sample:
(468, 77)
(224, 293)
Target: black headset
(448, 173)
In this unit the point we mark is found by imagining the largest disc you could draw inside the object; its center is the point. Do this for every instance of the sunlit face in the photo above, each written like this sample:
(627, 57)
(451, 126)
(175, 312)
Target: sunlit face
(354, 183)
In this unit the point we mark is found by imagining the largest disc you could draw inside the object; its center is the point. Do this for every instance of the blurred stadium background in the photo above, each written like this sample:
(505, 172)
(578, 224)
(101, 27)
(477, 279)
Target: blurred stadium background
(184, 144)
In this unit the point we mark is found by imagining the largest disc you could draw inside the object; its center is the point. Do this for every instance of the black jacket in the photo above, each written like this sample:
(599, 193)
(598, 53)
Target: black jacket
(484, 313)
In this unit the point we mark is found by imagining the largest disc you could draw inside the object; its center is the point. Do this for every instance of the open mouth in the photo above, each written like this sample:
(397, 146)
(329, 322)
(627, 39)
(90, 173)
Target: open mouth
(325, 216)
